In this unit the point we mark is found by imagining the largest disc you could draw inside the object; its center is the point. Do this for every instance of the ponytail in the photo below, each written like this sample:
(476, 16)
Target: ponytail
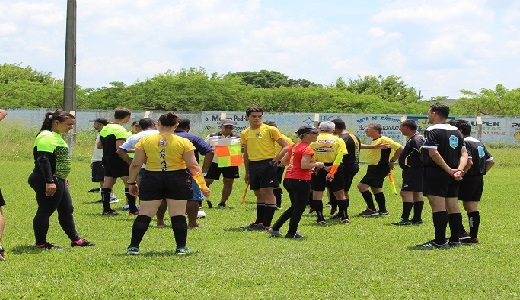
(168, 119)
(59, 115)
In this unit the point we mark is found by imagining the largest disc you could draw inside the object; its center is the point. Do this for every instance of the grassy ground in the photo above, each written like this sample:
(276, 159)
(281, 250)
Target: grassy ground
(368, 258)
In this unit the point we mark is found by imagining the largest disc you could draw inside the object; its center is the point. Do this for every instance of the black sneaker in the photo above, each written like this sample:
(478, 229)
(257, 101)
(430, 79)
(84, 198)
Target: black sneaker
(432, 245)
(454, 244)
(383, 213)
(110, 213)
(49, 246)
(369, 213)
(402, 222)
(344, 220)
(464, 236)
(417, 222)
(294, 236)
(82, 243)
(2, 253)
(254, 227)
(470, 241)
(221, 205)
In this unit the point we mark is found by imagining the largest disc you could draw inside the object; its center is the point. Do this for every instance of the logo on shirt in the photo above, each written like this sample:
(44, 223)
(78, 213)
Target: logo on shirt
(163, 142)
(480, 150)
(454, 141)
(258, 134)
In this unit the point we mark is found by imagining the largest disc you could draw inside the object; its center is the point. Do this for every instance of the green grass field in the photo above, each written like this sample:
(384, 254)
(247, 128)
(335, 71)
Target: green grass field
(368, 258)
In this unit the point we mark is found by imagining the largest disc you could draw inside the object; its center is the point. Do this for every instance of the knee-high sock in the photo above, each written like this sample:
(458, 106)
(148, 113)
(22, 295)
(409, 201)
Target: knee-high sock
(342, 205)
(417, 210)
(180, 230)
(367, 196)
(455, 221)
(474, 223)
(269, 214)
(131, 201)
(260, 212)
(440, 221)
(381, 201)
(105, 196)
(318, 206)
(407, 209)
(139, 228)
(278, 193)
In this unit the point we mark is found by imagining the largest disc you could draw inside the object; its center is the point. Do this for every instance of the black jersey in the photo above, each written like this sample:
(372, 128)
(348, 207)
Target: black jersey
(448, 140)
(478, 154)
(411, 155)
(353, 147)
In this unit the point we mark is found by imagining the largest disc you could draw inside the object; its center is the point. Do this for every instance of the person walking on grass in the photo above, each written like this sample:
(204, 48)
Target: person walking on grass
(49, 180)
(329, 150)
(300, 163)
(114, 135)
(411, 163)
(224, 137)
(445, 158)
(169, 161)
(3, 114)
(379, 165)
(471, 187)
(261, 165)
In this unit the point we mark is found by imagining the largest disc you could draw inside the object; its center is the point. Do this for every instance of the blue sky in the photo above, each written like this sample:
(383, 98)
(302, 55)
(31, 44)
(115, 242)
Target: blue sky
(438, 47)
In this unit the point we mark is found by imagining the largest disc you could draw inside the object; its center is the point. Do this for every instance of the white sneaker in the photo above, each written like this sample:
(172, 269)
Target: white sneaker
(114, 200)
(201, 214)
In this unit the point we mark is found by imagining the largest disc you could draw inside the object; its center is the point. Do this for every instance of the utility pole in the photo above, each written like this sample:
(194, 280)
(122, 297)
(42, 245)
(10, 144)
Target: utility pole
(69, 91)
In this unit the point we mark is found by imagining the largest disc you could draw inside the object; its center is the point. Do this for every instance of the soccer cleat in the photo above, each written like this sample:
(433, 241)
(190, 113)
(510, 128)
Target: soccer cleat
(454, 244)
(383, 213)
(431, 245)
(344, 220)
(417, 222)
(464, 236)
(132, 251)
(369, 213)
(221, 205)
(110, 213)
(49, 246)
(321, 222)
(470, 241)
(182, 251)
(114, 200)
(274, 233)
(402, 222)
(254, 227)
(2, 253)
(81, 243)
(126, 207)
(294, 236)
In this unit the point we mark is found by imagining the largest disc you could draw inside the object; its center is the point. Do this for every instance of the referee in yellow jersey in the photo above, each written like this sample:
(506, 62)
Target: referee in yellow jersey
(169, 160)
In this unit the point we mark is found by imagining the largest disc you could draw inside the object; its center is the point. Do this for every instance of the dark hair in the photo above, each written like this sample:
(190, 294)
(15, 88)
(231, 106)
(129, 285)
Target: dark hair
(168, 119)
(59, 115)
(376, 126)
(463, 125)
(340, 124)
(270, 123)
(184, 124)
(410, 124)
(146, 123)
(121, 113)
(442, 110)
(254, 108)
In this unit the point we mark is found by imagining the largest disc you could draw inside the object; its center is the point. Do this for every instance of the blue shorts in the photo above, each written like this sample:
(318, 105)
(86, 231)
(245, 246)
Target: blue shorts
(197, 193)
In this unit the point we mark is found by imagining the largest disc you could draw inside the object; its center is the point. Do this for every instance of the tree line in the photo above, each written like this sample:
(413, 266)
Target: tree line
(194, 89)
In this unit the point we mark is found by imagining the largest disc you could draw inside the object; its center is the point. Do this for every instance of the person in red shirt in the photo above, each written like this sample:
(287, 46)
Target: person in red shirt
(297, 182)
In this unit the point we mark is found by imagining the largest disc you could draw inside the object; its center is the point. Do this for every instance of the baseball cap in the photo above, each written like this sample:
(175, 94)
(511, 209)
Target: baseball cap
(327, 126)
(306, 129)
(135, 123)
(228, 122)
(101, 120)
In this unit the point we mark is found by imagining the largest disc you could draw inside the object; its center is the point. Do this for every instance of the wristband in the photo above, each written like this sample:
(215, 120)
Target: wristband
(274, 163)
(131, 183)
(199, 179)
(392, 161)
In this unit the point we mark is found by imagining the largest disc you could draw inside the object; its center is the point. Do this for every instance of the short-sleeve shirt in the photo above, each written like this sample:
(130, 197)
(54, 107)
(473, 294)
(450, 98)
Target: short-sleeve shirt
(200, 145)
(294, 169)
(109, 135)
(479, 156)
(164, 152)
(51, 142)
(411, 155)
(381, 156)
(260, 142)
(448, 141)
(328, 146)
(353, 147)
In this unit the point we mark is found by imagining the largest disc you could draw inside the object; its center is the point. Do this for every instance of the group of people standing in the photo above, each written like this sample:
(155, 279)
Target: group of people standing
(160, 166)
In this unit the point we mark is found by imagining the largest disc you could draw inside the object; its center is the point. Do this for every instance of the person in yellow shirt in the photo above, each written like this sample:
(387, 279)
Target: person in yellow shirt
(329, 149)
(169, 161)
(378, 168)
(261, 164)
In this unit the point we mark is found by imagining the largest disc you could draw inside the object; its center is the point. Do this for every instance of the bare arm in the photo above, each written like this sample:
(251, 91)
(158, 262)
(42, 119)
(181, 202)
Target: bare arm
(394, 158)
(285, 147)
(196, 171)
(307, 164)
(133, 170)
(3, 114)
(99, 145)
(246, 163)
(124, 156)
(489, 164)
(208, 159)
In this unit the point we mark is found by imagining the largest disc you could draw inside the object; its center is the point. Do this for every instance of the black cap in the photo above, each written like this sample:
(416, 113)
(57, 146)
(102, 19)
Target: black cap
(306, 129)
(101, 120)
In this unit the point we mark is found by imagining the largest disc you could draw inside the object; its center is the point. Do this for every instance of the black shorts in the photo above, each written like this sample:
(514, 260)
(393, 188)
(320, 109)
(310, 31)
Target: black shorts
(439, 183)
(349, 171)
(98, 172)
(413, 180)
(471, 188)
(166, 185)
(227, 172)
(279, 173)
(262, 175)
(115, 167)
(376, 175)
(319, 180)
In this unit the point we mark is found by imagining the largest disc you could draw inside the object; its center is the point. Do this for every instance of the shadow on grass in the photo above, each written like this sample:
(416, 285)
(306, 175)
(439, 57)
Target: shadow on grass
(25, 249)
(164, 253)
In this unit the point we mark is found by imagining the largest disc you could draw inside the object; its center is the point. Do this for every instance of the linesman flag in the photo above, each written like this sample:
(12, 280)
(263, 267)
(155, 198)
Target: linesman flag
(229, 155)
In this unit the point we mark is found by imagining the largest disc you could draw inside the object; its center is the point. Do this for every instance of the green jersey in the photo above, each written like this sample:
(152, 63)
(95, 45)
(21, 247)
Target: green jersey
(51, 142)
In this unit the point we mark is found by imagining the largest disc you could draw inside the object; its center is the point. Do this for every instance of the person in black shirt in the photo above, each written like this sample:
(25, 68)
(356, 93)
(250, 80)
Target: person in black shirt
(472, 184)
(444, 156)
(411, 162)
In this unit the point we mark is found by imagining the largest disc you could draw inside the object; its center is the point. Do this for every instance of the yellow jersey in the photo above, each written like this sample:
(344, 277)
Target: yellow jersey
(328, 146)
(164, 152)
(381, 156)
(260, 142)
